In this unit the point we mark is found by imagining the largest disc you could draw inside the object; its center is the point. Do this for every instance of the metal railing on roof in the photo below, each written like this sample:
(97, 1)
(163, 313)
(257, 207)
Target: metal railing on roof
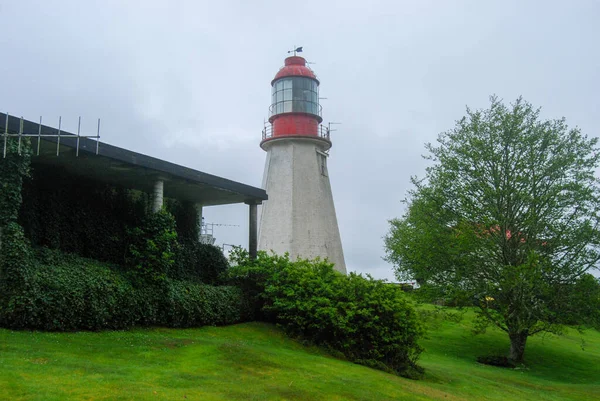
(21, 134)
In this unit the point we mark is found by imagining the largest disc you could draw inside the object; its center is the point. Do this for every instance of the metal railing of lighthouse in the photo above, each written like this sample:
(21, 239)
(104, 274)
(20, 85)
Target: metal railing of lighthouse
(323, 132)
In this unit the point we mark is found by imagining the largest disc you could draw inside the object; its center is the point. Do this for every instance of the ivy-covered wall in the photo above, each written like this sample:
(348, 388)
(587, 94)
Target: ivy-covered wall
(14, 168)
(89, 218)
(79, 254)
(14, 249)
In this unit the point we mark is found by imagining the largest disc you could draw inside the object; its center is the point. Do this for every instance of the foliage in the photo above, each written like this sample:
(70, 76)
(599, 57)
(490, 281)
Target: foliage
(507, 217)
(56, 291)
(14, 168)
(186, 219)
(99, 221)
(79, 215)
(201, 262)
(582, 303)
(90, 218)
(152, 246)
(14, 248)
(15, 260)
(190, 304)
(66, 292)
(368, 321)
(71, 293)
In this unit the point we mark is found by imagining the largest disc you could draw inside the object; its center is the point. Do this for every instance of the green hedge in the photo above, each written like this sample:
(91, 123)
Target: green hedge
(368, 321)
(152, 247)
(67, 292)
(201, 263)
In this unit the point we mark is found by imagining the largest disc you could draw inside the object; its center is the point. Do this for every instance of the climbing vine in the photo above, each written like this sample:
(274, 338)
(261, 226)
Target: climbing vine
(14, 168)
(14, 248)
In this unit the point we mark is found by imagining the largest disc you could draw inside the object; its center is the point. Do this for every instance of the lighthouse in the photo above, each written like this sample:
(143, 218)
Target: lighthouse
(299, 216)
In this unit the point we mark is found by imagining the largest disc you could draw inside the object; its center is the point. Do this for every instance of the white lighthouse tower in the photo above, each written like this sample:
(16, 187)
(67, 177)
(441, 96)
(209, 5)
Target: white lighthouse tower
(299, 217)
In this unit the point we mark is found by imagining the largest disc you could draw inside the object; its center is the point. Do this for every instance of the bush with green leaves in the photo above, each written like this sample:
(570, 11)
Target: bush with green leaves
(15, 258)
(153, 246)
(368, 321)
(201, 262)
(66, 292)
(190, 304)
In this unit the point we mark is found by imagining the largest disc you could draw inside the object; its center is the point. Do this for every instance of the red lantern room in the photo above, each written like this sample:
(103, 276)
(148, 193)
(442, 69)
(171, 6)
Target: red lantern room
(295, 110)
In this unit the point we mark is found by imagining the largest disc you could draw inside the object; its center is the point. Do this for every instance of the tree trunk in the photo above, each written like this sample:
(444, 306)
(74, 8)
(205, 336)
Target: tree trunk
(517, 345)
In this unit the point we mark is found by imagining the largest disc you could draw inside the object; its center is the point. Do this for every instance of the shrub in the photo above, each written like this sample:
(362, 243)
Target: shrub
(201, 262)
(15, 258)
(367, 320)
(186, 218)
(190, 304)
(67, 292)
(153, 246)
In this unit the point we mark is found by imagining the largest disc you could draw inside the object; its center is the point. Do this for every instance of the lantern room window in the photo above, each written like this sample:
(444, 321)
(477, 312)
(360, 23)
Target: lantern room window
(295, 94)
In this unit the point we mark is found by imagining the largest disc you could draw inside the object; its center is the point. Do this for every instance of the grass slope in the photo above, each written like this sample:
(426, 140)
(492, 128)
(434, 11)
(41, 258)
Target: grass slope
(556, 367)
(256, 362)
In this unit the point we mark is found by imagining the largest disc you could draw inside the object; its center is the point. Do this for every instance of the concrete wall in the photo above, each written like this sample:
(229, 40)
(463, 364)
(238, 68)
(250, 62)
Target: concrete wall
(299, 216)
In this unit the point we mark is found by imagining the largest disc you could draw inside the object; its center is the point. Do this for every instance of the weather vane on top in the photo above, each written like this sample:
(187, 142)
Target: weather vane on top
(296, 50)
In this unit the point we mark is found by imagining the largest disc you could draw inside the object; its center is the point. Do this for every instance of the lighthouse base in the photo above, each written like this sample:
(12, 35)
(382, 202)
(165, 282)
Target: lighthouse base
(299, 217)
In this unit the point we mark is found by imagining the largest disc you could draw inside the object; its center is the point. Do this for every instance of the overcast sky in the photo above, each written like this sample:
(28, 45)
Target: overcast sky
(189, 82)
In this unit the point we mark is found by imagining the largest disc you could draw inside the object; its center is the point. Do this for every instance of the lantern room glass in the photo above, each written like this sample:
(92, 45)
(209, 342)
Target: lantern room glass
(295, 94)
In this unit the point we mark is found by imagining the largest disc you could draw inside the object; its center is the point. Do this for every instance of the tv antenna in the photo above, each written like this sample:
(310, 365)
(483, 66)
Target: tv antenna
(329, 126)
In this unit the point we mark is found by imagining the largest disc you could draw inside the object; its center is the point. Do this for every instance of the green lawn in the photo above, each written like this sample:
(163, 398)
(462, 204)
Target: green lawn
(557, 368)
(256, 362)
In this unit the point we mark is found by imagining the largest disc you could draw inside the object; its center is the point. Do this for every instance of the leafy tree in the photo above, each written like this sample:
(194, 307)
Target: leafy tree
(507, 217)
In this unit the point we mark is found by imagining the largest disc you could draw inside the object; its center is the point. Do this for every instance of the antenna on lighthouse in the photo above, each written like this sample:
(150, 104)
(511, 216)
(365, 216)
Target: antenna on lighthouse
(308, 63)
(329, 126)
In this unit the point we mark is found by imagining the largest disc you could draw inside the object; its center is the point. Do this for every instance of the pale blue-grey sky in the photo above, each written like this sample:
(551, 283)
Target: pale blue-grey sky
(189, 82)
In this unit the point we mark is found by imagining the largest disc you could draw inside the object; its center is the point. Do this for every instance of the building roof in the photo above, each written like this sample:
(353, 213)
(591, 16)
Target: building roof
(129, 169)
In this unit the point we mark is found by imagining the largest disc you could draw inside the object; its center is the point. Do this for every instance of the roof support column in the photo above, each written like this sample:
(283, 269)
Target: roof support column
(198, 207)
(252, 229)
(158, 195)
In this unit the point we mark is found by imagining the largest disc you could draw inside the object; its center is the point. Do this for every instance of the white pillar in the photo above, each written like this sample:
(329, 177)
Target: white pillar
(199, 221)
(158, 195)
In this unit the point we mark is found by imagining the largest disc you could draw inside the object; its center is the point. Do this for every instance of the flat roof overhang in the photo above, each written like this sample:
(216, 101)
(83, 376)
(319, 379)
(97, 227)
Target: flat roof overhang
(124, 168)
